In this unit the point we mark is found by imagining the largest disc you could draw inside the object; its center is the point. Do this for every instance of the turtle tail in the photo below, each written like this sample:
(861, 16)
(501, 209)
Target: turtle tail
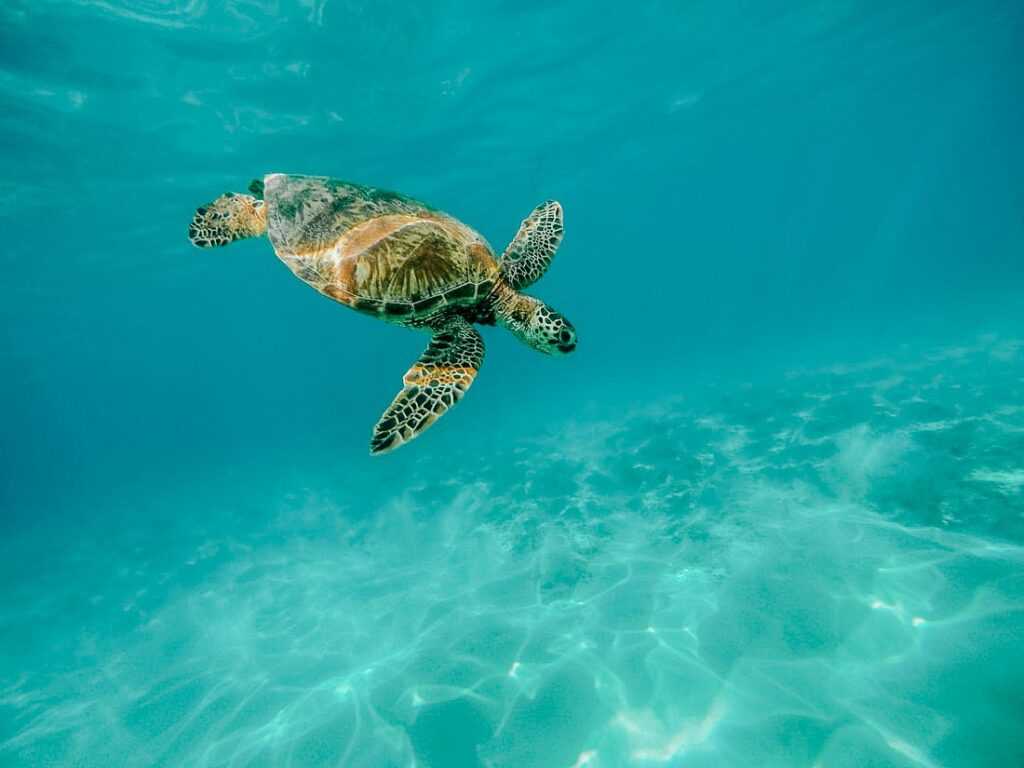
(228, 218)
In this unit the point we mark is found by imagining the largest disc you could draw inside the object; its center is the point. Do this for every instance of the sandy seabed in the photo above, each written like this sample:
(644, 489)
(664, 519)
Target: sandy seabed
(823, 572)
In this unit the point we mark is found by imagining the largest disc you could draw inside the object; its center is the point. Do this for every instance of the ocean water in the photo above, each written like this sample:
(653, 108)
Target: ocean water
(769, 513)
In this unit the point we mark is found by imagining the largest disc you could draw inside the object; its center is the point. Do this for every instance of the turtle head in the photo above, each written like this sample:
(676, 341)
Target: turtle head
(550, 332)
(228, 218)
(536, 324)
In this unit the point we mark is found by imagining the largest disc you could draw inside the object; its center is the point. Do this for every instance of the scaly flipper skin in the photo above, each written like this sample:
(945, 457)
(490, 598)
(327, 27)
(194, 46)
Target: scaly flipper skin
(228, 218)
(529, 254)
(433, 385)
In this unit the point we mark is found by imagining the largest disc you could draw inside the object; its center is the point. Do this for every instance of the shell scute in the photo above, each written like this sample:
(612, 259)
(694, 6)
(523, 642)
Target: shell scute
(374, 250)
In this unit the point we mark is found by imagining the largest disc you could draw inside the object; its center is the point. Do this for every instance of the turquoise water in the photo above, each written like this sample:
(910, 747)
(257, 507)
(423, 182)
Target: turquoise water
(770, 512)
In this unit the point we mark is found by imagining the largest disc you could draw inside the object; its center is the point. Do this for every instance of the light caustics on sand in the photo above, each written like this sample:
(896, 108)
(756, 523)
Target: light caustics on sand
(819, 573)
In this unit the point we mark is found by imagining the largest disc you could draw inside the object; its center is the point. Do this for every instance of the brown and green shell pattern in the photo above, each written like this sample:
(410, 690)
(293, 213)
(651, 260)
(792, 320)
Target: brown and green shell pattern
(376, 251)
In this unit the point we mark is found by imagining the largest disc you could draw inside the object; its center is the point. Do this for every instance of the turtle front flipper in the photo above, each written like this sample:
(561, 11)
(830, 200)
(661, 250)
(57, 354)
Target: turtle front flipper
(228, 218)
(434, 384)
(529, 254)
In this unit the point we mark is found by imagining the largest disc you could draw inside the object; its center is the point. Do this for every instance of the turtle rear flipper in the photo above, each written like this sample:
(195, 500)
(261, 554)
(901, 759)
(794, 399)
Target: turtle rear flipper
(228, 218)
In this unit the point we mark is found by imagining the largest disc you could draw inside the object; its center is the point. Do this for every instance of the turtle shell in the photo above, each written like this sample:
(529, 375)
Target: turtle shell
(376, 251)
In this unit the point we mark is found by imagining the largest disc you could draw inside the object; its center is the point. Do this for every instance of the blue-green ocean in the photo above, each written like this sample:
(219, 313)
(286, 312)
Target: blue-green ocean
(769, 513)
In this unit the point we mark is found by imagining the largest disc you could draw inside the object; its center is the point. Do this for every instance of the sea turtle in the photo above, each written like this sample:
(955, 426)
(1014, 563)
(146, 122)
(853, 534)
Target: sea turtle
(404, 262)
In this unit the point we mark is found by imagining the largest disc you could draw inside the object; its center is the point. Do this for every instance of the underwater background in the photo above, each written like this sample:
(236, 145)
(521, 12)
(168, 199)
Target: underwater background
(770, 512)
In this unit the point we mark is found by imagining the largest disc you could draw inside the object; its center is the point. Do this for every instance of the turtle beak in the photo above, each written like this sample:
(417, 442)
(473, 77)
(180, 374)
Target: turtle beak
(567, 340)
